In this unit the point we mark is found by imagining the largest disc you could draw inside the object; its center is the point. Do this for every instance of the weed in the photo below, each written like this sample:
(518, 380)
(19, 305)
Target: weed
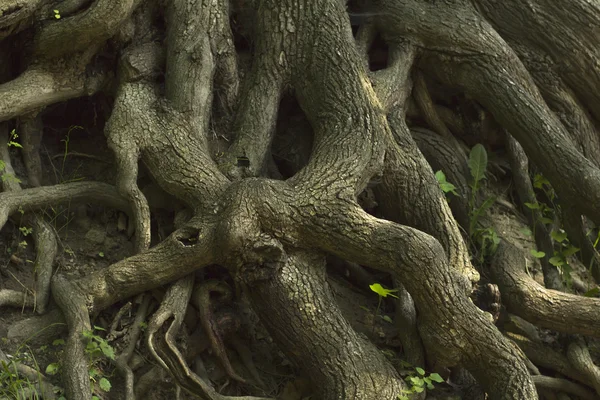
(486, 237)
(446, 186)
(382, 293)
(97, 349)
(418, 380)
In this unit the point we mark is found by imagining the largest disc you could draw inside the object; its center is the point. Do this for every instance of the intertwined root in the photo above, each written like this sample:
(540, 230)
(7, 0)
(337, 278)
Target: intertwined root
(539, 80)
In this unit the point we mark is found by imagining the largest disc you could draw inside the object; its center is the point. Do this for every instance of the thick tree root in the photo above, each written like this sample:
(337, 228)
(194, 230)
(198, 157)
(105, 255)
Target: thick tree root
(546, 308)
(519, 166)
(579, 356)
(563, 385)
(313, 332)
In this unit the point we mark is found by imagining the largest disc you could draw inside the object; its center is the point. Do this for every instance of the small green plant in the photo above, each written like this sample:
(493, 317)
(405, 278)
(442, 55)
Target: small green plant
(418, 380)
(487, 238)
(12, 140)
(446, 186)
(25, 230)
(382, 293)
(13, 384)
(545, 214)
(11, 143)
(56, 14)
(97, 349)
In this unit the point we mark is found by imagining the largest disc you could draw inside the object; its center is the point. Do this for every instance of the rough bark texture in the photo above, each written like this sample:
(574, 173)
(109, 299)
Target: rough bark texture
(205, 111)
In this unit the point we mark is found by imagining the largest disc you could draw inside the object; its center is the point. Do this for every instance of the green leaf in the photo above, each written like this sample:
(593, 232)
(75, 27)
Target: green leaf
(52, 369)
(556, 261)
(532, 206)
(418, 389)
(569, 251)
(546, 221)
(381, 291)
(107, 350)
(440, 176)
(387, 319)
(479, 212)
(539, 181)
(14, 144)
(420, 371)
(478, 162)
(416, 381)
(98, 328)
(592, 292)
(2, 165)
(537, 254)
(58, 342)
(526, 231)
(559, 236)
(447, 187)
(436, 377)
(105, 384)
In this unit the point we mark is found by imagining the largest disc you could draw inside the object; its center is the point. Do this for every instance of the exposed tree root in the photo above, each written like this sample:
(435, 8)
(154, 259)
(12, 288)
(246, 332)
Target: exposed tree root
(122, 361)
(579, 356)
(520, 168)
(66, 193)
(201, 299)
(546, 308)
(563, 385)
(273, 235)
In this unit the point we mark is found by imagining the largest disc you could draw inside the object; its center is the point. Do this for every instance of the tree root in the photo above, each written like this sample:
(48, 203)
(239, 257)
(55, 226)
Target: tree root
(563, 385)
(544, 356)
(66, 193)
(519, 166)
(579, 356)
(544, 307)
(122, 361)
(201, 299)
(43, 235)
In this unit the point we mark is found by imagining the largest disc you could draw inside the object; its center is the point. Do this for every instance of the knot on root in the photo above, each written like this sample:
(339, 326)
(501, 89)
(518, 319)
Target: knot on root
(262, 259)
